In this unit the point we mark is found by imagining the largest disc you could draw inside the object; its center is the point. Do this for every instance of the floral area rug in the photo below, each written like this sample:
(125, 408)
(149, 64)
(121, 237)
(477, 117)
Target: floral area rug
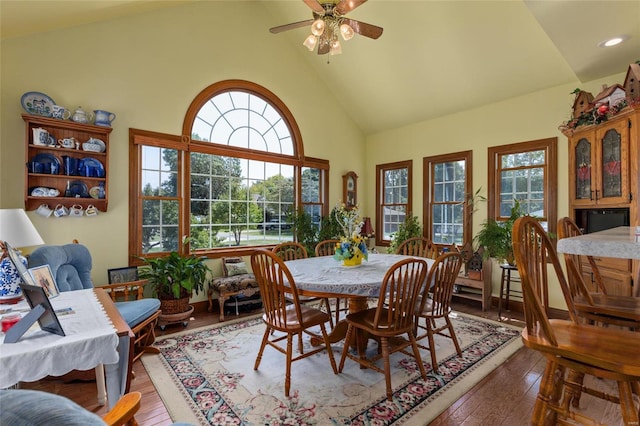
(206, 376)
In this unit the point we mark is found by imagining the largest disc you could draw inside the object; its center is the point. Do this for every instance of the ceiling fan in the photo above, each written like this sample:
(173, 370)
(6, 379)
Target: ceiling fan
(329, 21)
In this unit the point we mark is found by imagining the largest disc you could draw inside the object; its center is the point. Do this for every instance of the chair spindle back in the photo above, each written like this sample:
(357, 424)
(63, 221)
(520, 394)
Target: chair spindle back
(533, 251)
(290, 250)
(443, 275)
(277, 288)
(418, 246)
(401, 286)
(326, 247)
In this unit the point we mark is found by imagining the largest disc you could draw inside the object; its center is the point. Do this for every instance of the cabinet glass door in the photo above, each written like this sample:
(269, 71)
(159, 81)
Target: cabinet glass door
(611, 164)
(583, 169)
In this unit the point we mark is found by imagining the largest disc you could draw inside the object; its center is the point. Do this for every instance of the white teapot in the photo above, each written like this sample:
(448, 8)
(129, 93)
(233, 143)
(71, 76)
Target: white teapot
(80, 116)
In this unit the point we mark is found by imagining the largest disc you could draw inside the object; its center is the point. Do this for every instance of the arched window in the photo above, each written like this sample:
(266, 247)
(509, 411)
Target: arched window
(233, 183)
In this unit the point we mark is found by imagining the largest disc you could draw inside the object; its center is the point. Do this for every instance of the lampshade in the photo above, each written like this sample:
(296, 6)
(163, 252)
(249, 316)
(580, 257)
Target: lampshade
(16, 229)
(367, 229)
(310, 42)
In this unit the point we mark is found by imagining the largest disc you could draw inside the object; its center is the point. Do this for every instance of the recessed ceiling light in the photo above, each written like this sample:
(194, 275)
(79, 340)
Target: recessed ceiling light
(614, 41)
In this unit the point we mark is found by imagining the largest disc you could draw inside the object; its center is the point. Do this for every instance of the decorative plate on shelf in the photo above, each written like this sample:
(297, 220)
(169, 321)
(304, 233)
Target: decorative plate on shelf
(94, 192)
(95, 164)
(42, 191)
(78, 189)
(37, 103)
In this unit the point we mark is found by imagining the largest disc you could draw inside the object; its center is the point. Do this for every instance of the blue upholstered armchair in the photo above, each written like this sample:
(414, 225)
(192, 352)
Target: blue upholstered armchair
(71, 267)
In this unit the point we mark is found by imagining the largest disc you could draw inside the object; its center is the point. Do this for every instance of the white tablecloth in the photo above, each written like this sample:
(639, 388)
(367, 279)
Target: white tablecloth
(326, 275)
(90, 340)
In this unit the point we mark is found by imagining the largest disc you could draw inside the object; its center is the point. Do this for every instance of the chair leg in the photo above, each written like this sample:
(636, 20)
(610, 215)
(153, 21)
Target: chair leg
(432, 346)
(452, 333)
(384, 342)
(627, 407)
(287, 377)
(347, 344)
(416, 355)
(327, 345)
(548, 393)
(265, 338)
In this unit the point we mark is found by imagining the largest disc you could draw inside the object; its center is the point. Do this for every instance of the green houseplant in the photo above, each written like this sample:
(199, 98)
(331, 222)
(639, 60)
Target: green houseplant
(408, 229)
(495, 237)
(174, 278)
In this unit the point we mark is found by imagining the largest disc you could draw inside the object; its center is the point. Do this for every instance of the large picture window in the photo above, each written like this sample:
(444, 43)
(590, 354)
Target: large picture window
(393, 198)
(447, 190)
(232, 185)
(527, 172)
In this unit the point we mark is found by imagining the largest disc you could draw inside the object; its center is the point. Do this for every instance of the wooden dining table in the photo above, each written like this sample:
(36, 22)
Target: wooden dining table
(619, 243)
(325, 276)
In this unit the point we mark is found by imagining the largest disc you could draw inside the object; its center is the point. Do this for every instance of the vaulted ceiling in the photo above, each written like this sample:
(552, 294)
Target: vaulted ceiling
(434, 57)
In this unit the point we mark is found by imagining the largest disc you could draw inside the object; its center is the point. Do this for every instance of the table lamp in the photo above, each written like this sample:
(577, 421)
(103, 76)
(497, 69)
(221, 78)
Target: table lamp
(17, 230)
(367, 230)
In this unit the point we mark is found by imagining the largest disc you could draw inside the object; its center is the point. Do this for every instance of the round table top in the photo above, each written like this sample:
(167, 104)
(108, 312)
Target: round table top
(325, 274)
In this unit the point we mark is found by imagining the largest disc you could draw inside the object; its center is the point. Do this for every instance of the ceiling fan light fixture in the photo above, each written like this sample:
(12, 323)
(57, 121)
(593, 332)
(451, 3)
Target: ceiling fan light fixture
(317, 28)
(347, 32)
(336, 48)
(310, 42)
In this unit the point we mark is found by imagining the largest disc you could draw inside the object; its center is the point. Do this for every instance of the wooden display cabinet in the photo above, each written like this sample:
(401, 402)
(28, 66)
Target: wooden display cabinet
(61, 129)
(604, 178)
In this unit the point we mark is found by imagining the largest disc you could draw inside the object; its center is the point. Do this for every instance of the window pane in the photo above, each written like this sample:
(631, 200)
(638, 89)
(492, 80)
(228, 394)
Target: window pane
(393, 217)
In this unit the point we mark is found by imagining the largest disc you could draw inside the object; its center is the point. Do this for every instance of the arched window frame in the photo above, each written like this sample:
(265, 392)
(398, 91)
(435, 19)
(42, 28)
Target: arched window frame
(185, 145)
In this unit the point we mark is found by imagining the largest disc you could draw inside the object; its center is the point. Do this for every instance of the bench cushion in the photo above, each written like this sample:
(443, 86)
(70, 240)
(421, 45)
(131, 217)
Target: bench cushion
(136, 311)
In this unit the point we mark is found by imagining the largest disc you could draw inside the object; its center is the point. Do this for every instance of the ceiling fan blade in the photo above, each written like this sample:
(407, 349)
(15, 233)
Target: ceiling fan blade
(362, 28)
(346, 6)
(324, 44)
(292, 26)
(315, 6)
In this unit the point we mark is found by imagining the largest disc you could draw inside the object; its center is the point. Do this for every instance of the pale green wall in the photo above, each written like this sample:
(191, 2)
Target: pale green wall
(534, 116)
(147, 69)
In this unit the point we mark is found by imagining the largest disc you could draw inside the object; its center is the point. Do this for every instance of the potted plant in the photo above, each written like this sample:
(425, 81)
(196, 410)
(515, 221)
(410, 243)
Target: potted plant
(495, 237)
(408, 229)
(174, 278)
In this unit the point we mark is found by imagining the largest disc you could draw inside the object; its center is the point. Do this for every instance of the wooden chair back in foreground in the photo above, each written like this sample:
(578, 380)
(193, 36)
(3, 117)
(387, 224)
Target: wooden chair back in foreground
(441, 279)
(568, 228)
(567, 345)
(596, 307)
(328, 248)
(290, 250)
(278, 288)
(122, 413)
(418, 246)
(392, 317)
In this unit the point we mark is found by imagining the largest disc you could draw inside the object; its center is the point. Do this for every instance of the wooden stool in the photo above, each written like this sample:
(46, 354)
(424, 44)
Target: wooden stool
(505, 286)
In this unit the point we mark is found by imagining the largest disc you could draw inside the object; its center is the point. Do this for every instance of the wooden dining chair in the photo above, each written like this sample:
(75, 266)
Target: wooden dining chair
(278, 288)
(437, 305)
(328, 248)
(596, 307)
(292, 250)
(418, 246)
(392, 317)
(605, 353)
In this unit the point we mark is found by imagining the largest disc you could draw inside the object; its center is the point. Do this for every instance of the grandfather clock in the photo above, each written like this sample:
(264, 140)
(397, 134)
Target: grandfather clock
(350, 189)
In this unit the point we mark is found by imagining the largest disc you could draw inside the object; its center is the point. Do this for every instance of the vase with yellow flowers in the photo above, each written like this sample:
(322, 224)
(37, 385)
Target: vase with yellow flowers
(352, 248)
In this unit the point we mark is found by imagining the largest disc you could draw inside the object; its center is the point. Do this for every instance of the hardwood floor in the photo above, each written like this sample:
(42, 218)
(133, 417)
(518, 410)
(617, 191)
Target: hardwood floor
(504, 397)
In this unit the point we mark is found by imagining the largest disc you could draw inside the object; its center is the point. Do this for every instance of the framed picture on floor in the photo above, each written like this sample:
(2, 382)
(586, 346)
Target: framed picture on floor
(44, 278)
(123, 275)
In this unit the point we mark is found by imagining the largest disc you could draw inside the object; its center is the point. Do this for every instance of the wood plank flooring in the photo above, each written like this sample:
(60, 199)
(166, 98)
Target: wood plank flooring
(504, 397)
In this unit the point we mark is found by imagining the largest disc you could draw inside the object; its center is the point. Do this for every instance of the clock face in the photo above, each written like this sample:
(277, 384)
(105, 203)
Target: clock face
(350, 184)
